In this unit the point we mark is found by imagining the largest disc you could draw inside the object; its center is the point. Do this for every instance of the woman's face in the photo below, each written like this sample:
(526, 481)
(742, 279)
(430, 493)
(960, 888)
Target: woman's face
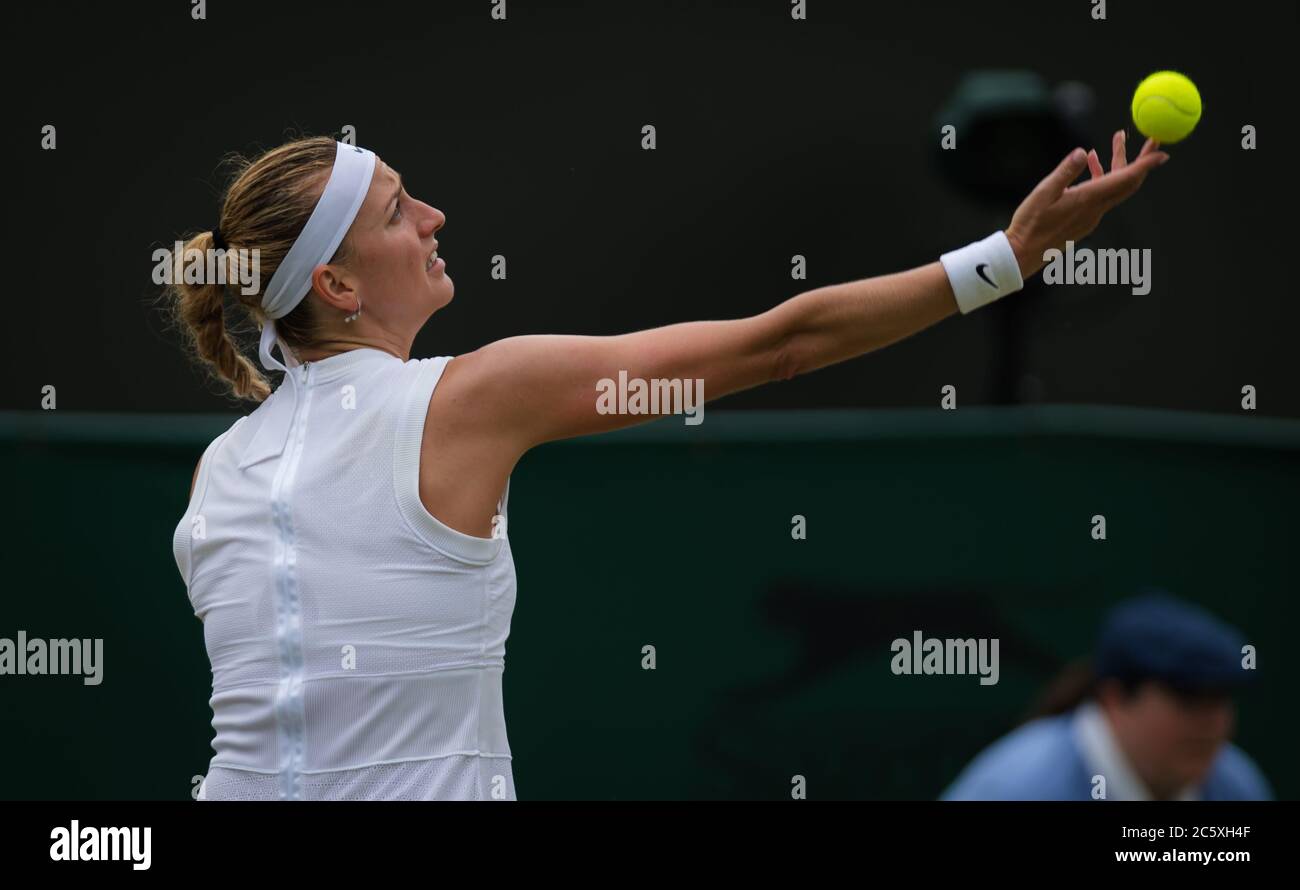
(1172, 738)
(393, 241)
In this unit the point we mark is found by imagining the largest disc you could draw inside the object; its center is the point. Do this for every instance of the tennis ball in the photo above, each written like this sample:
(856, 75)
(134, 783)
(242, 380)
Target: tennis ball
(1166, 106)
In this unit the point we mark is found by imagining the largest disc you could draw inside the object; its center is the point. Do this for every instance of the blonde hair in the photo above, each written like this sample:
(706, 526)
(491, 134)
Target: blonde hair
(265, 206)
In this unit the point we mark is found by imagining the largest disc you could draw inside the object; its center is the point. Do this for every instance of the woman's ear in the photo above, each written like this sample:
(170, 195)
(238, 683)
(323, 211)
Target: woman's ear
(334, 288)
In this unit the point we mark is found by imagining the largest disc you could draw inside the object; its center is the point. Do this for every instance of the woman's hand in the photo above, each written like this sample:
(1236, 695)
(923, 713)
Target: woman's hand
(1056, 212)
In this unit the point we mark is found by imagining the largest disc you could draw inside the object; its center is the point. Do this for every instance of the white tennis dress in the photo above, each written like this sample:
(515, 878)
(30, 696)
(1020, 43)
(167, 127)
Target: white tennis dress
(357, 643)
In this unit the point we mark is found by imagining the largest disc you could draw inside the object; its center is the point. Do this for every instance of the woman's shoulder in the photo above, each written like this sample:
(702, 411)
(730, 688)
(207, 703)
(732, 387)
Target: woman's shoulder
(215, 444)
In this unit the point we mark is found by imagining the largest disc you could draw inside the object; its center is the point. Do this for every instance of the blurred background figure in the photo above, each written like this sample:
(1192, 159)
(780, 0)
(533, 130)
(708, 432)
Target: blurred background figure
(1149, 719)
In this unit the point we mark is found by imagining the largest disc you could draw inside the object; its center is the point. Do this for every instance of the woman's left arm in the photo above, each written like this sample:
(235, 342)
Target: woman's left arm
(522, 391)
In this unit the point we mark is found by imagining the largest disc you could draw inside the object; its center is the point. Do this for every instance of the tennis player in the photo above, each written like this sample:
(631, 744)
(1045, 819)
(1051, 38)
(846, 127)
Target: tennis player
(346, 543)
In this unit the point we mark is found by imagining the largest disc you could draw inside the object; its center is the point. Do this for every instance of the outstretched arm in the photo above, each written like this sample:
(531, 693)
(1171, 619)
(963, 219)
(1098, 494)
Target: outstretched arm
(535, 389)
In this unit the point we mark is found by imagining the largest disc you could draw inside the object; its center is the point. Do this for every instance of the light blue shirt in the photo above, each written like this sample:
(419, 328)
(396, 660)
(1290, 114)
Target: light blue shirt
(1054, 759)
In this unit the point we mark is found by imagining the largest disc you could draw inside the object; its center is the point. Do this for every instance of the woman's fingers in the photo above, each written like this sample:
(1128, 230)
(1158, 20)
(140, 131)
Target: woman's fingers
(1059, 179)
(1094, 164)
(1110, 190)
(1118, 151)
(1149, 146)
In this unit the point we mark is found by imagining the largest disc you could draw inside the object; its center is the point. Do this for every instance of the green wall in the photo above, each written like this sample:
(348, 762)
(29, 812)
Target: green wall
(773, 654)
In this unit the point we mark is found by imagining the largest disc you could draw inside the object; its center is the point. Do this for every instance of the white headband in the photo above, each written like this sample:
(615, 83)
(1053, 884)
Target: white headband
(344, 193)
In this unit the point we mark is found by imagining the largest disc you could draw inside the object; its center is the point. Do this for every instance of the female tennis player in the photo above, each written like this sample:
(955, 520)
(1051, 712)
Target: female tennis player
(346, 543)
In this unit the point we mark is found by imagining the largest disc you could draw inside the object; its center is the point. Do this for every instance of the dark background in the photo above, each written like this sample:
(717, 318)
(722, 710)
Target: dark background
(775, 138)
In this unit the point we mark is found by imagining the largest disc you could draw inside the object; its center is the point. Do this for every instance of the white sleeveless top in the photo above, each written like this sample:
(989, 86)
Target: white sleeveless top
(357, 643)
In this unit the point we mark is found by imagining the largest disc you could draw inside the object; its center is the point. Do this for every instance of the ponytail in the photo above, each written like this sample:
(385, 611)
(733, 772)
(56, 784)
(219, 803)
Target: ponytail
(201, 312)
(1071, 687)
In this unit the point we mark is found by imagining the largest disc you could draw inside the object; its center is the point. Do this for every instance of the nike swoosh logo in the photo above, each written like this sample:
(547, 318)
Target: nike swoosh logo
(979, 270)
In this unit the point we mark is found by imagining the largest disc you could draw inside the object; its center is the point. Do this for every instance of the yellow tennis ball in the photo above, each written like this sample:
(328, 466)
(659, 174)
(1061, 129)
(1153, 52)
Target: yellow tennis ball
(1166, 106)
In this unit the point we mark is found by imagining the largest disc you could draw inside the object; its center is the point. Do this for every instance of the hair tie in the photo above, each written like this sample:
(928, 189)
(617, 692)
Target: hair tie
(217, 241)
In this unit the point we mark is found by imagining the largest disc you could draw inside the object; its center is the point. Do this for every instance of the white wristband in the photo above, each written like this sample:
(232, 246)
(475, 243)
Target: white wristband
(982, 272)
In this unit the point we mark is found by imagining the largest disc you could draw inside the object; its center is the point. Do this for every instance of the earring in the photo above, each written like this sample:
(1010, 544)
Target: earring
(353, 316)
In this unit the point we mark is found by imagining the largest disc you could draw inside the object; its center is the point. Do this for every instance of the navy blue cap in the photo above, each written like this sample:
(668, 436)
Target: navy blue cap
(1158, 636)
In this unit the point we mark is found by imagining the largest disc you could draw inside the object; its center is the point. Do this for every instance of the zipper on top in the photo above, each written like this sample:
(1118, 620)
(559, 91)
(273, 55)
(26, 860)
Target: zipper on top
(290, 716)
